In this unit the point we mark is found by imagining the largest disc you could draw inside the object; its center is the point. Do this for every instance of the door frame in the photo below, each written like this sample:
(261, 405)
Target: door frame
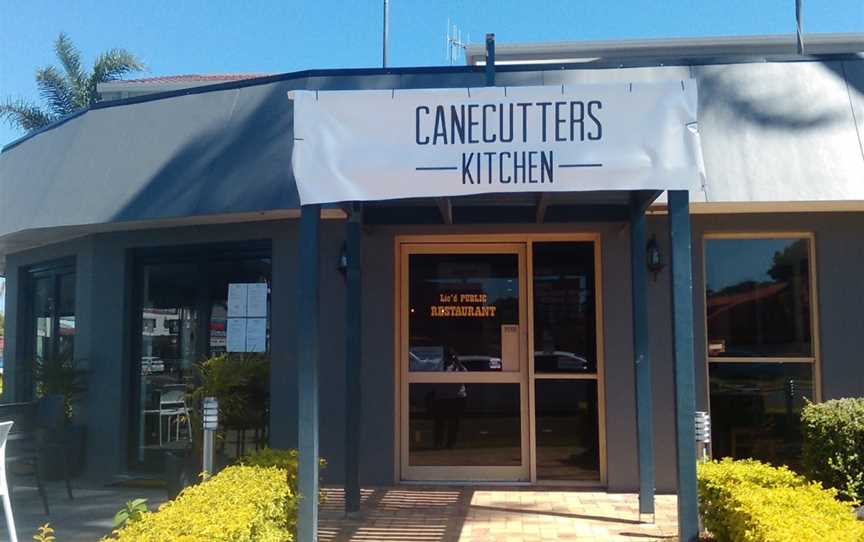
(469, 242)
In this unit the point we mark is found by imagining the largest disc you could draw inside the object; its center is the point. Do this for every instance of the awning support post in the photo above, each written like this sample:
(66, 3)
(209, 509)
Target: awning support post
(642, 358)
(685, 380)
(490, 60)
(353, 360)
(307, 378)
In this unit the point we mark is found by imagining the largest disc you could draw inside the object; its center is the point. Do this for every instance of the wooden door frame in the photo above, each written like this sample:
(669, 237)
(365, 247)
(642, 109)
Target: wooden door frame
(469, 243)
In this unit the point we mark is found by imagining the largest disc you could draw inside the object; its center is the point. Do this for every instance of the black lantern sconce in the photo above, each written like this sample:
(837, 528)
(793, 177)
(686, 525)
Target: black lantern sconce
(654, 257)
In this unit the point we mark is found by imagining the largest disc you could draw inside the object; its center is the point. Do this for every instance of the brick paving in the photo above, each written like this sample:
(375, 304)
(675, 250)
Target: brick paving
(473, 514)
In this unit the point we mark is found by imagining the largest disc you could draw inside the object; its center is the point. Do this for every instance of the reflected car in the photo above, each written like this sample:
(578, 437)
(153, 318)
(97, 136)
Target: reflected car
(151, 364)
(480, 363)
(559, 362)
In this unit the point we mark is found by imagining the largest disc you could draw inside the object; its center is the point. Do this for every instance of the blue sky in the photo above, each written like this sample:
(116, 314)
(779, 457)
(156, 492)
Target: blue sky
(212, 36)
(198, 36)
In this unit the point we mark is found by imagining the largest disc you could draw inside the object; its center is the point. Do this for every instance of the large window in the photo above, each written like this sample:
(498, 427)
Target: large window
(182, 298)
(51, 329)
(761, 342)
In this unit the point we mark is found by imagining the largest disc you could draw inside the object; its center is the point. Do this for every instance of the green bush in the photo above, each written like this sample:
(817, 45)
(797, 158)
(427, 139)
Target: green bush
(282, 459)
(750, 501)
(834, 445)
(240, 504)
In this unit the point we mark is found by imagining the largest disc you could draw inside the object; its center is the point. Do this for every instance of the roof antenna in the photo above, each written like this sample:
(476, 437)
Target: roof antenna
(453, 44)
(386, 32)
(798, 16)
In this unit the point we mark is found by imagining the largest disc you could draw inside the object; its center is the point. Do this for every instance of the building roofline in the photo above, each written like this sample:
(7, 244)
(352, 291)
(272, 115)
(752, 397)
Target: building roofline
(655, 52)
(721, 46)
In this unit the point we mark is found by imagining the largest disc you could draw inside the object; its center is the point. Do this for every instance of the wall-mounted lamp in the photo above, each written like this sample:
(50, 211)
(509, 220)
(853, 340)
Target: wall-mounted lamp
(654, 257)
(342, 264)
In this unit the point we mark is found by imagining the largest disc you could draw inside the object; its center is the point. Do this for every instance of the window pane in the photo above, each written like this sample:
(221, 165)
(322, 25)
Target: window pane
(758, 297)
(183, 322)
(564, 316)
(66, 316)
(463, 312)
(43, 321)
(756, 407)
(567, 430)
(464, 425)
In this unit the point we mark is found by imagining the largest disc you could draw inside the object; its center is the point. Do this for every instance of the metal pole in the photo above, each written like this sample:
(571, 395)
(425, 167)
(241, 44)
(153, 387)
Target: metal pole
(642, 357)
(684, 369)
(386, 33)
(208, 452)
(353, 361)
(490, 60)
(307, 378)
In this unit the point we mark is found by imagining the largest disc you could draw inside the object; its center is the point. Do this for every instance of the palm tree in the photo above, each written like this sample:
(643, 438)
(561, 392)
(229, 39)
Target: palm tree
(68, 90)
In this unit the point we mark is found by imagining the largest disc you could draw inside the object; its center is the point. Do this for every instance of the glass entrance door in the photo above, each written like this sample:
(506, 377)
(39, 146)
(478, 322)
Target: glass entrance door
(464, 362)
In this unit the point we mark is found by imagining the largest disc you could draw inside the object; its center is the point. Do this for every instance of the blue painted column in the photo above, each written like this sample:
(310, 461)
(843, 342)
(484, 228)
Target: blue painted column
(685, 379)
(642, 358)
(307, 377)
(353, 361)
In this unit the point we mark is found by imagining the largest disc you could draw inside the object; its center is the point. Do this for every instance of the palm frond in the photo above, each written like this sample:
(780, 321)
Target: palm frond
(24, 115)
(111, 65)
(70, 58)
(55, 89)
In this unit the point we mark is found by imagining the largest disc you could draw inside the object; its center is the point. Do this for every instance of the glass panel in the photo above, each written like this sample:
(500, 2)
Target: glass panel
(758, 297)
(183, 322)
(66, 316)
(568, 439)
(169, 348)
(756, 407)
(463, 312)
(43, 321)
(464, 425)
(221, 275)
(564, 315)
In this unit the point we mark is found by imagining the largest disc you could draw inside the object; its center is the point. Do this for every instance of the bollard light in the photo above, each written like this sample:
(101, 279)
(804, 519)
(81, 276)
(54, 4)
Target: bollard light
(210, 414)
(703, 432)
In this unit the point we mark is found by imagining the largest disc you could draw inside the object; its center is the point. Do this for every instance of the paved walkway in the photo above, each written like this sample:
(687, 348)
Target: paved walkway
(466, 514)
(86, 519)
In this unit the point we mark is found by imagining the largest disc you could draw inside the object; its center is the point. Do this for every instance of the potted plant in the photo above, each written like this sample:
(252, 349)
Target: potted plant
(62, 376)
(239, 382)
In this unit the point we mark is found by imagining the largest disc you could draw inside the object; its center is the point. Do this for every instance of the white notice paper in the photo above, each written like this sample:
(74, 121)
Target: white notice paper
(256, 335)
(236, 340)
(256, 304)
(237, 294)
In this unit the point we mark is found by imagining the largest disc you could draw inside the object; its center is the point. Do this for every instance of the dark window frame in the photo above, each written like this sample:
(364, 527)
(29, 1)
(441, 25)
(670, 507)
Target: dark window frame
(55, 270)
(813, 360)
(199, 254)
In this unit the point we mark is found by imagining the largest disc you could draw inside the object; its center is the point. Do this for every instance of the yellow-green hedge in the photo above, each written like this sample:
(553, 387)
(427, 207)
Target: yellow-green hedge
(240, 504)
(749, 501)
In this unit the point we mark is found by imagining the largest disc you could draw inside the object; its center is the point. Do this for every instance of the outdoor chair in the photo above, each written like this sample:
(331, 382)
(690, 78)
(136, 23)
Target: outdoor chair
(5, 427)
(39, 434)
(172, 405)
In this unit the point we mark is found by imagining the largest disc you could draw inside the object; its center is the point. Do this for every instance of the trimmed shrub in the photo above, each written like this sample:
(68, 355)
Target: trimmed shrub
(750, 501)
(834, 445)
(240, 504)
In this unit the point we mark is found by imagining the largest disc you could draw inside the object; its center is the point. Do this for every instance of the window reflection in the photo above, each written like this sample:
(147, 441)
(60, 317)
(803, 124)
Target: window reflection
(758, 297)
(52, 300)
(564, 311)
(463, 312)
(458, 424)
(183, 322)
(756, 407)
(567, 430)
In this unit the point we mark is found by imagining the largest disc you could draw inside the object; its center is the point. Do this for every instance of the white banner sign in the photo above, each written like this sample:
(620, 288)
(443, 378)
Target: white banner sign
(364, 145)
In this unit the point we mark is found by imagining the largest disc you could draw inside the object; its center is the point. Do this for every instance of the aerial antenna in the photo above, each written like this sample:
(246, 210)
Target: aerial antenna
(799, 16)
(453, 44)
(386, 34)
